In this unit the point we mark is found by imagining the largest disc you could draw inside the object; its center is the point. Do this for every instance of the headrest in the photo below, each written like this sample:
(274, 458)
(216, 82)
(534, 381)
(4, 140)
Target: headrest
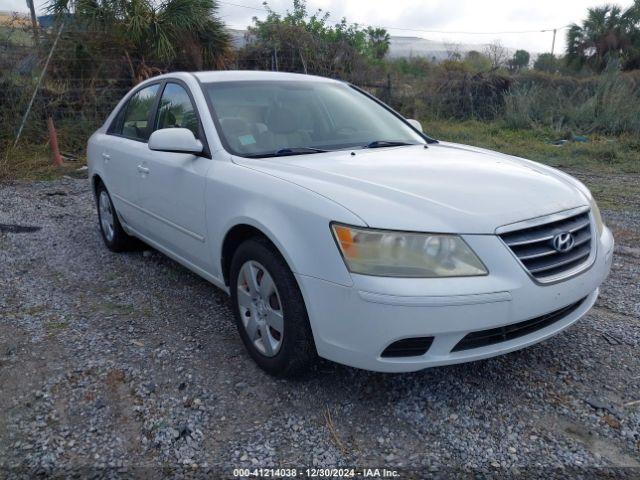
(281, 120)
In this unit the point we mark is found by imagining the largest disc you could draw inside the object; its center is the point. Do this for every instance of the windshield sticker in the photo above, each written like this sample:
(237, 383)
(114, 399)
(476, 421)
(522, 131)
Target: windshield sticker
(247, 139)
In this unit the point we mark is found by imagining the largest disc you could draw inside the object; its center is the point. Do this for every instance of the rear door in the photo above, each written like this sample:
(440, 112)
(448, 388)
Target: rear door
(125, 152)
(172, 190)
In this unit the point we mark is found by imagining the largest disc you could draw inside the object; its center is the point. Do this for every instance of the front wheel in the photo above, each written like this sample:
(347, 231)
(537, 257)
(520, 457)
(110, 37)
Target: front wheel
(270, 312)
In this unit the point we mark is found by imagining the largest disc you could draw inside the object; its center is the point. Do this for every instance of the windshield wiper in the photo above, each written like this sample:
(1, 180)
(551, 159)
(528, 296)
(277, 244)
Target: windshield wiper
(282, 152)
(387, 143)
(298, 151)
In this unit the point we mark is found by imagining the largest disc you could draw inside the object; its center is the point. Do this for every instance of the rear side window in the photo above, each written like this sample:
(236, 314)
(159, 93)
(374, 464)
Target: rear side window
(176, 110)
(135, 116)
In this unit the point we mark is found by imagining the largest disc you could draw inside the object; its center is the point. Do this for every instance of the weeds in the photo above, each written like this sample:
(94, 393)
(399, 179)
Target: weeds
(600, 153)
(610, 105)
(29, 161)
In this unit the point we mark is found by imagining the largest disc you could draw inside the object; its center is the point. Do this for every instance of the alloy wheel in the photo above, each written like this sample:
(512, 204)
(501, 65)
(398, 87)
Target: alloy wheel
(260, 308)
(106, 216)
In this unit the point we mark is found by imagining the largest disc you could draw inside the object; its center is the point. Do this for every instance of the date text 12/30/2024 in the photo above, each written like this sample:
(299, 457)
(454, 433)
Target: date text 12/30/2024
(316, 472)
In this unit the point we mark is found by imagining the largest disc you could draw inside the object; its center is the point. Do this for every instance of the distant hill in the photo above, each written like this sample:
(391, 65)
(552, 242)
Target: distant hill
(400, 46)
(418, 47)
(429, 49)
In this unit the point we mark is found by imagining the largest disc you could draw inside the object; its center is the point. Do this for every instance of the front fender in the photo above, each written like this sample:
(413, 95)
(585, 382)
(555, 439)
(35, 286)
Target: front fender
(295, 219)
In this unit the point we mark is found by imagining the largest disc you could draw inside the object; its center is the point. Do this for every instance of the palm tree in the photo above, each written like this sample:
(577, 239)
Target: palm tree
(606, 34)
(379, 42)
(153, 37)
(631, 19)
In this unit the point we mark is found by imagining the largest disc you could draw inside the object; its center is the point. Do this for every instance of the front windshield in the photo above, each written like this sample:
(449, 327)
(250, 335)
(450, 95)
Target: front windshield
(261, 118)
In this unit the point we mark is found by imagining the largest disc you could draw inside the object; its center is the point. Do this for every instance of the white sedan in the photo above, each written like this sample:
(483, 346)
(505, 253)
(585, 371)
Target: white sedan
(339, 229)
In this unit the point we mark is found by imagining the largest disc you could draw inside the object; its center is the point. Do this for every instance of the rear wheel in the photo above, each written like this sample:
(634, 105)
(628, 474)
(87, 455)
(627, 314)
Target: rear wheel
(114, 236)
(270, 313)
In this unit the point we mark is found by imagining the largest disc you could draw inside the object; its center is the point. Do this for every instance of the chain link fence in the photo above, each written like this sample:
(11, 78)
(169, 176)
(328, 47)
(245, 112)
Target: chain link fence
(75, 91)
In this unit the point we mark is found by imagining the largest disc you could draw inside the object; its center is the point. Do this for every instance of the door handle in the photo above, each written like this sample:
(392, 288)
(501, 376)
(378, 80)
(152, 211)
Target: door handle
(142, 169)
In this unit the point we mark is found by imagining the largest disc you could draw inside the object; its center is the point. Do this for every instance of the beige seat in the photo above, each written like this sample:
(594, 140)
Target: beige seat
(284, 129)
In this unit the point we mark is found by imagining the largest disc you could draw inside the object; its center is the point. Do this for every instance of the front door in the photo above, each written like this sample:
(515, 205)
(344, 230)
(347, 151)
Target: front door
(172, 185)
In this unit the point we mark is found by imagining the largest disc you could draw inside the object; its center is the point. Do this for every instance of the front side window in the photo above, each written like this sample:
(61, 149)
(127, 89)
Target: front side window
(265, 117)
(176, 110)
(135, 122)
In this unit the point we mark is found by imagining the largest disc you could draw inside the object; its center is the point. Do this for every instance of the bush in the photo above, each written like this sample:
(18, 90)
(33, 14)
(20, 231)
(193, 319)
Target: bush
(608, 104)
(451, 91)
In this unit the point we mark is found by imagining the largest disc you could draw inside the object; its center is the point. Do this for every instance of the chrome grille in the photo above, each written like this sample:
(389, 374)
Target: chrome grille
(533, 245)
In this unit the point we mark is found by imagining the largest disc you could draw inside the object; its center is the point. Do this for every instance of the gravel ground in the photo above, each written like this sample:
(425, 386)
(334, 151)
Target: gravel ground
(114, 362)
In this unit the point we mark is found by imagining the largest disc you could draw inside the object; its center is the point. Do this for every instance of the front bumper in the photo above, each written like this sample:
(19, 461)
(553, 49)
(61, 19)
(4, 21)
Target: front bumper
(353, 325)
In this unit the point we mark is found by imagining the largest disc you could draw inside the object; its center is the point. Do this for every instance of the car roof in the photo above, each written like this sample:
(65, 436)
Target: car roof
(256, 75)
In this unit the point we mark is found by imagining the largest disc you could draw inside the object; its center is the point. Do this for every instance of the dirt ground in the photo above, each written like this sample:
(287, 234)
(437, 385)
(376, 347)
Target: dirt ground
(119, 364)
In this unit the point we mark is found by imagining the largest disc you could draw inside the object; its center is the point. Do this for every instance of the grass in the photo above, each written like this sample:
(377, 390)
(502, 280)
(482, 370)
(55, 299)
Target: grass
(27, 162)
(31, 159)
(601, 154)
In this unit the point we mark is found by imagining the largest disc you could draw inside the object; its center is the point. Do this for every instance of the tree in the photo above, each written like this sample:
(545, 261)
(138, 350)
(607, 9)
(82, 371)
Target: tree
(300, 42)
(453, 51)
(477, 61)
(519, 61)
(546, 62)
(607, 34)
(151, 36)
(496, 53)
(379, 42)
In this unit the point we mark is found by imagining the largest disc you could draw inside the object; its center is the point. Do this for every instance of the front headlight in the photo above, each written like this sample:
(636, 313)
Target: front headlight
(404, 254)
(595, 211)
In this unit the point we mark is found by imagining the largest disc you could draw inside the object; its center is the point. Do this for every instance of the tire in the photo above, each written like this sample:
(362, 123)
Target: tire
(114, 236)
(287, 353)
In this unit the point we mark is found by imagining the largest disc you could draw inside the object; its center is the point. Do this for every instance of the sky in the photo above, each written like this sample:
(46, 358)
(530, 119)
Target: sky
(413, 17)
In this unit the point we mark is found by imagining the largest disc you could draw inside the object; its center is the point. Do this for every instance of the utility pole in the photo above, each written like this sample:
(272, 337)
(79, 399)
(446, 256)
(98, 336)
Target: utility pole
(553, 42)
(34, 21)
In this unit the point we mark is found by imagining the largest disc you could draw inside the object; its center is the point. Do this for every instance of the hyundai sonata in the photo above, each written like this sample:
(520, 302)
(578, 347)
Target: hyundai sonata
(339, 228)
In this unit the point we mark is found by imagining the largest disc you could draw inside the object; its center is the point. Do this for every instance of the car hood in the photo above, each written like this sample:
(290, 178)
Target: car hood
(444, 188)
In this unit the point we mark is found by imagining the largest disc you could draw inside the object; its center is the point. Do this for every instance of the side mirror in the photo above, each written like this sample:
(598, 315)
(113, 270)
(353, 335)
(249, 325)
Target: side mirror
(180, 140)
(415, 124)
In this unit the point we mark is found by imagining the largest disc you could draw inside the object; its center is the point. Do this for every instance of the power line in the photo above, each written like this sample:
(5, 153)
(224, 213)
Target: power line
(474, 33)
(419, 30)
(243, 6)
